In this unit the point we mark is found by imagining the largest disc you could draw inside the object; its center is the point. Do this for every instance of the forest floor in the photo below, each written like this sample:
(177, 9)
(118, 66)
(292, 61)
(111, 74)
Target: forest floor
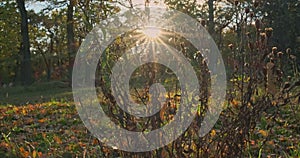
(36, 93)
(42, 121)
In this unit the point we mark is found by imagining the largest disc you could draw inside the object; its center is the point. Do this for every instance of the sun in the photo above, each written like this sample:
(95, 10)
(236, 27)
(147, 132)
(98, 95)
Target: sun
(151, 32)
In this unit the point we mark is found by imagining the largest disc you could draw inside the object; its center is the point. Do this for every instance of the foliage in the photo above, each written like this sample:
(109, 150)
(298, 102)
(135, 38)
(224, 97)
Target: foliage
(258, 40)
(284, 17)
(9, 41)
(48, 37)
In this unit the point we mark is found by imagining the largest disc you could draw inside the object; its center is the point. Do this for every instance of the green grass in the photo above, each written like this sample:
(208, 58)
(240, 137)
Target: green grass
(36, 93)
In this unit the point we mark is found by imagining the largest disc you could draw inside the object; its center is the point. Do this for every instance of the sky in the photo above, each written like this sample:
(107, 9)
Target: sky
(38, 6)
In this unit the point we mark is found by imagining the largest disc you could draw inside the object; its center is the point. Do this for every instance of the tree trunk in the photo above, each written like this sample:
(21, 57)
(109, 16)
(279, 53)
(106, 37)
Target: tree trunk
(70, 37)
(26, 70)
(211, 22)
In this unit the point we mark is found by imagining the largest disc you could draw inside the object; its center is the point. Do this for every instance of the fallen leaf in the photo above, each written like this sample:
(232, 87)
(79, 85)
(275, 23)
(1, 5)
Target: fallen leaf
(164, 153)
(95, 141)
(213, 133)
(162, 112)
(57, 140)
(40, 154)
(263, 133)
(235, 103)
(42, 120)
(34, 154)
(81, 144)
(23, 152)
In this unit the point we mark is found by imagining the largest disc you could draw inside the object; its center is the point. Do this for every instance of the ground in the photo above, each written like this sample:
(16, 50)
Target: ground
(42, 121)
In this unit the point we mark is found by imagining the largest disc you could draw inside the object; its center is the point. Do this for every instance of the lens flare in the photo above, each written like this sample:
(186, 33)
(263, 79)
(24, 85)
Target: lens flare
(151, 32)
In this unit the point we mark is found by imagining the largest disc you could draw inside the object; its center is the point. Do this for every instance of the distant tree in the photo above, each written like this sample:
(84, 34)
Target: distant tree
(71, 35)
(284, 17)
(26, 69)
(9, 41)
(211, 19)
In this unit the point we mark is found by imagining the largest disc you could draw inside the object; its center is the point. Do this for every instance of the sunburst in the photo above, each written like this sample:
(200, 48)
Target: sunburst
(151, 32)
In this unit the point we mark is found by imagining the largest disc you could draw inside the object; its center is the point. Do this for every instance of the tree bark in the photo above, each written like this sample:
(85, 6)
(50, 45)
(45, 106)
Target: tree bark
(26, 70)
(211, 22)
(70, 37)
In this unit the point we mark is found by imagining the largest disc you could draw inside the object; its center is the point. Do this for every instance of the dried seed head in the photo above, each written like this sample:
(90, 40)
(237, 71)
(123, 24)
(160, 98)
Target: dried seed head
(286, 85)
(269, 32)
(279, 73)
(203, 22)
(293, 57)
(280, 54)
(230, 46)
(251, 14)
(247, 10)
(262, 36)
(257, 24)
(274, 50)
(271, 56)
(236, 2)
(248, 34)
(288, 51)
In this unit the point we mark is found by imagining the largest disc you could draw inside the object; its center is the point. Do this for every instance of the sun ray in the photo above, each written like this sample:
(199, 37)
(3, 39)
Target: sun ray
(151, 32)
(169, 49)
